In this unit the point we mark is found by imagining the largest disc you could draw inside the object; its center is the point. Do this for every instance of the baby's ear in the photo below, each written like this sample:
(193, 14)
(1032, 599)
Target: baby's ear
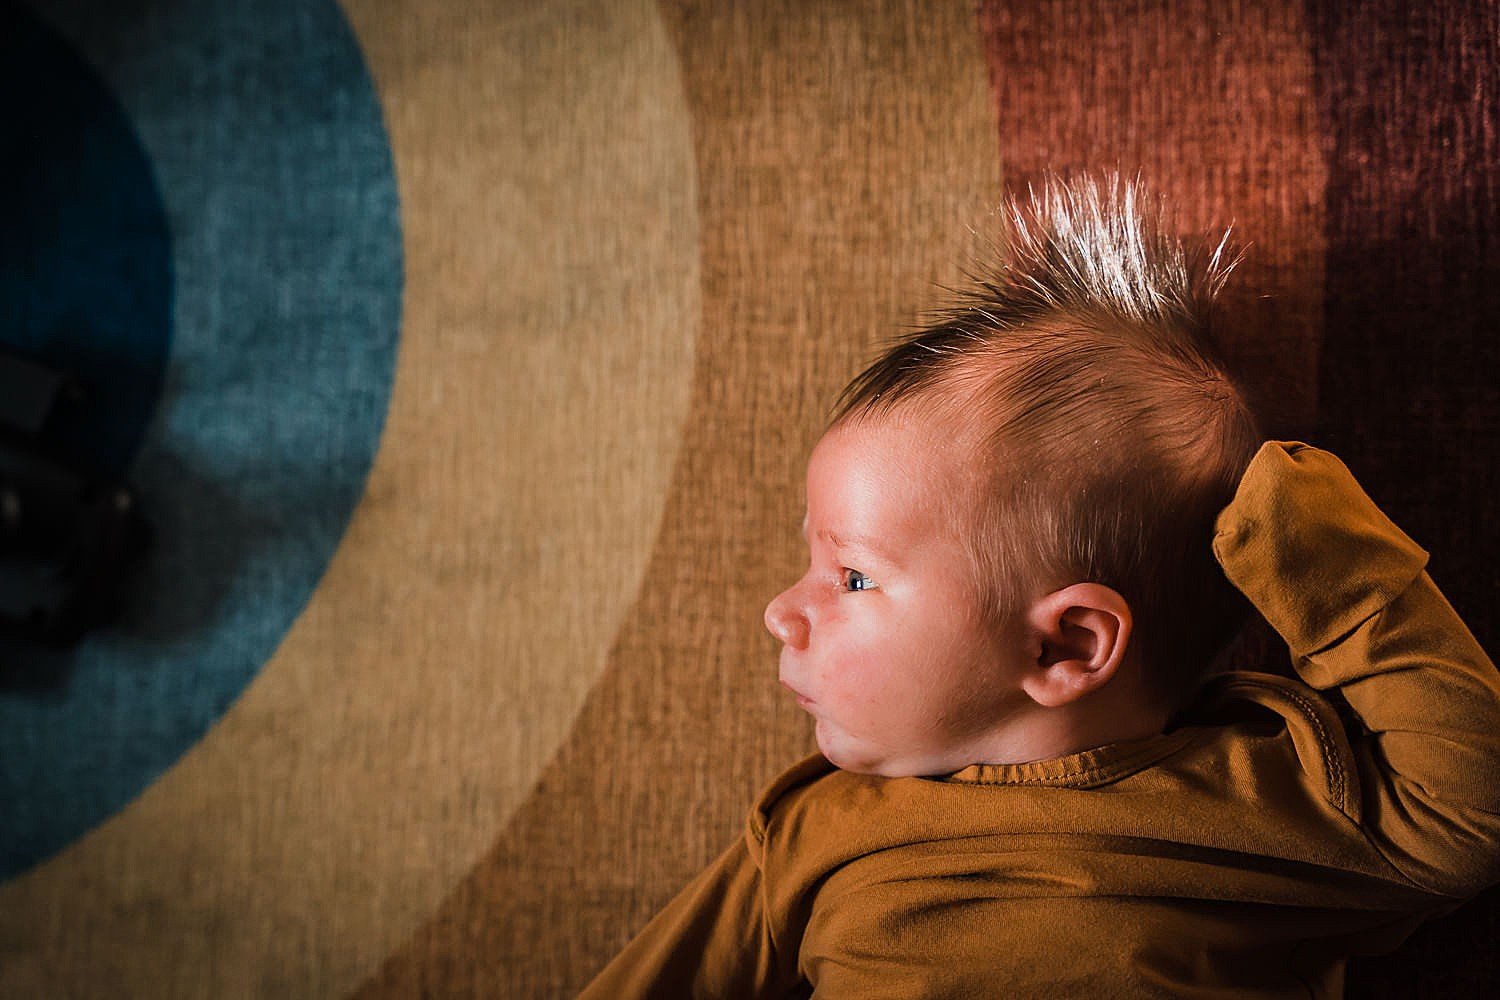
(1079, 635)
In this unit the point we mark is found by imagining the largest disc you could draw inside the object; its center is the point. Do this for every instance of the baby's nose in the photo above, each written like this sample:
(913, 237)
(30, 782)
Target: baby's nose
(786, 621)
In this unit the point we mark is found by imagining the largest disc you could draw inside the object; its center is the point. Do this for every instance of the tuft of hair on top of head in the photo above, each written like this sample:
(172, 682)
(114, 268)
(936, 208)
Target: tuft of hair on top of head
(1077, 248)
(1082, 367)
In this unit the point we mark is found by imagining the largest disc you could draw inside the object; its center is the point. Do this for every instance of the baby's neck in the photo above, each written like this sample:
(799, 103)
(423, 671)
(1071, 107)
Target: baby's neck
(1044, 733)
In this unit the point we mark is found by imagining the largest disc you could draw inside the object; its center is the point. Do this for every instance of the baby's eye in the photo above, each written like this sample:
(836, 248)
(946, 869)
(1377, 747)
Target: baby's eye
(855, 580)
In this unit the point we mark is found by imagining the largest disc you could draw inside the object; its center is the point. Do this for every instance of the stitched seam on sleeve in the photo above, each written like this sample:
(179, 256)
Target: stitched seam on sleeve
(1337, 778)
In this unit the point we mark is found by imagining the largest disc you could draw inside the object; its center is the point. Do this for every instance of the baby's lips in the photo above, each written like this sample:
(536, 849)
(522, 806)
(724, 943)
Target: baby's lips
(802, 699)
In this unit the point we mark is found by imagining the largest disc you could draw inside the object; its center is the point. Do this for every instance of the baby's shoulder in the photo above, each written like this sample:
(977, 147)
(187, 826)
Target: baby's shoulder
(789, 790)
(814, 819)
(817, 814)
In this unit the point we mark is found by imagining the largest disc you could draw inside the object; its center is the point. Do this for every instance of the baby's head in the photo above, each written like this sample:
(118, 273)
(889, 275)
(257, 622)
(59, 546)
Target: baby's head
(1009, 518)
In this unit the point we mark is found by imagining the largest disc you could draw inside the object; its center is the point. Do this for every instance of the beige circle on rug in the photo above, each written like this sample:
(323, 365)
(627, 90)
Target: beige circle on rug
(545, 167)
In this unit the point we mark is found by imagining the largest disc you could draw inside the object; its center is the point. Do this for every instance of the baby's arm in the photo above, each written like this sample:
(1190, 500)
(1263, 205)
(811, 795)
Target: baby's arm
(713, 940)
(1348, 592)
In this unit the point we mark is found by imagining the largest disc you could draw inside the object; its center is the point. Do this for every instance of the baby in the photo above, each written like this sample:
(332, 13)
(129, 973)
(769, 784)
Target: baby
(1030, 527)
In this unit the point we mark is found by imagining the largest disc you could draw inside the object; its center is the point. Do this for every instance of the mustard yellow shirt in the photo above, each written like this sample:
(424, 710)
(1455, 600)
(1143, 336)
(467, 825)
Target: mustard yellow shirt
(1248, 852)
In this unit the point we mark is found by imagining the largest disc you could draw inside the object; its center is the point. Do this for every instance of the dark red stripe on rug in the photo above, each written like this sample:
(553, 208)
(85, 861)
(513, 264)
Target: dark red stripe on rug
(1408, 375)
(1212, 105)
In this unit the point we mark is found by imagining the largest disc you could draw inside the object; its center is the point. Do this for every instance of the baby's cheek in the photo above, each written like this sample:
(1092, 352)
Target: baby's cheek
(861, 689)
(834, 689)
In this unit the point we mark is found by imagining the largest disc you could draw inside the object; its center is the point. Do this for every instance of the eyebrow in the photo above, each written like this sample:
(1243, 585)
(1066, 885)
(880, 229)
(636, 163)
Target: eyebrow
(845, 541)
(860, 542)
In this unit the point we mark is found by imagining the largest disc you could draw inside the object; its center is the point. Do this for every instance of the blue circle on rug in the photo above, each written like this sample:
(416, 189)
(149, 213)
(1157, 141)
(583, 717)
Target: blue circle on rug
(210, 237)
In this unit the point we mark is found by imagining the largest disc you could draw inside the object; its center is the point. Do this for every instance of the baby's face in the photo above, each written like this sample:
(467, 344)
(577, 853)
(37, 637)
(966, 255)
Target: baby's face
(883, 640)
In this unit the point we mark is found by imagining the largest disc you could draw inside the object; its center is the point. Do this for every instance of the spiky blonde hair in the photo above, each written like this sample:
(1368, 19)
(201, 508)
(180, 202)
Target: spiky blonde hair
(1081, 367)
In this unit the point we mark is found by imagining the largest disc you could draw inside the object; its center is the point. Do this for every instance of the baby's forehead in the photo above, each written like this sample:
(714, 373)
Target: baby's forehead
(894, 470)
(923, 442)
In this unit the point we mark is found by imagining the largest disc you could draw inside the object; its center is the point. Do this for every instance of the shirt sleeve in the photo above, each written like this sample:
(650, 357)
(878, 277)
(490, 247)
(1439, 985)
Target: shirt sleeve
(1349, 593)
(712, 941)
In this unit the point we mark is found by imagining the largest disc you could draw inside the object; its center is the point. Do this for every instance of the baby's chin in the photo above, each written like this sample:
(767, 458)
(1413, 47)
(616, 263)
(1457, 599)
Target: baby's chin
(842, 752)
(848, 754)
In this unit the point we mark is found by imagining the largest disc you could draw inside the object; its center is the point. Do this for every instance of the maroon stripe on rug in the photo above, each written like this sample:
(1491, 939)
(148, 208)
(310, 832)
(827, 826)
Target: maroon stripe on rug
(1211, 104)
(1409, 379)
